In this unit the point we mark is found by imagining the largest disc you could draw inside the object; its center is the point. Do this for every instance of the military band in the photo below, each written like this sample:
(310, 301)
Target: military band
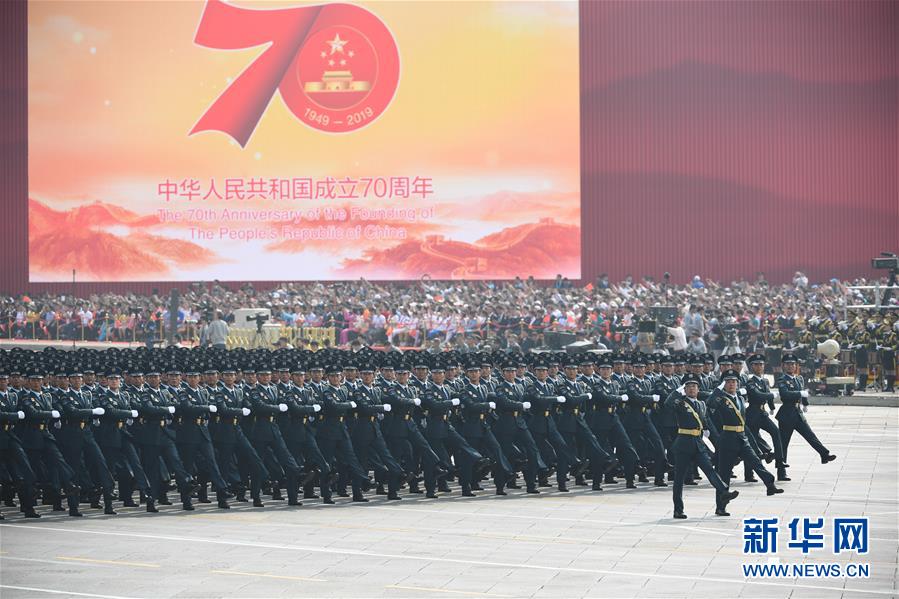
(268, 422)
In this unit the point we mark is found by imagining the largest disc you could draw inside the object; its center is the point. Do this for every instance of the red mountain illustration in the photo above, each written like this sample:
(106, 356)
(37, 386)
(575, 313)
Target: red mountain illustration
(60, 241)
(542, 249)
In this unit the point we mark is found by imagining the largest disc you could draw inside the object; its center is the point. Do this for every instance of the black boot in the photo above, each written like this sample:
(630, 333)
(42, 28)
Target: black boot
(151, 506)
(107, 506)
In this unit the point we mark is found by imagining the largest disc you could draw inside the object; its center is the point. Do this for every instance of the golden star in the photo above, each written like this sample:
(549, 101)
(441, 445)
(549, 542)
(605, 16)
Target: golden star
(337, 44)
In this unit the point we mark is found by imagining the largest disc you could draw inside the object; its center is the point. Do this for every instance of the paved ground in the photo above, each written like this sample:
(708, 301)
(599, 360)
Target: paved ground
(615, 543)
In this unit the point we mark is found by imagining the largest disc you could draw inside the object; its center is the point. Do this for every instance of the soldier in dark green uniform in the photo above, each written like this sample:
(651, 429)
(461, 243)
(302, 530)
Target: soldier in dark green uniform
(793, 394)
(688, 447)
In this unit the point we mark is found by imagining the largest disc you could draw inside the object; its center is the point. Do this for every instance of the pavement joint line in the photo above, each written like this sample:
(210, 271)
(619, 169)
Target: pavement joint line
(438, 531)
(110, 562)
(58, 592)
(469, 562)
(434, 590)
(262, 575)
(556, 518)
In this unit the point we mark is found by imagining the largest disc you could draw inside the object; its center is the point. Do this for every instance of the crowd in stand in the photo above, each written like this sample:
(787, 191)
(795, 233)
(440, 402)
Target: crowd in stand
(439, 315)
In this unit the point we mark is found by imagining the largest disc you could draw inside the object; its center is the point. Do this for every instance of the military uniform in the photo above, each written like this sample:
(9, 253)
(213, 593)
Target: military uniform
(232, 446)
(194, 439)
(41, 448)
(333, 437)
(266, 437)
(574, 428)
(511, 429)
(77, 442)
(733, 443)
(607, 425)
(688, 449)
(790, 418)
(14, 462)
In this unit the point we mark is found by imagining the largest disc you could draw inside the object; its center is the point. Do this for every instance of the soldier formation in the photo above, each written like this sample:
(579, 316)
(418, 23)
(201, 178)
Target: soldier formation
(91, 426)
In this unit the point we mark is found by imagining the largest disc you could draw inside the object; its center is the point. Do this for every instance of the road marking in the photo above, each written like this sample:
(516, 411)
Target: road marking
(110, 562)
(432, 590)
(236, 573)
(45, 561)
(56, 592)
(422, 558)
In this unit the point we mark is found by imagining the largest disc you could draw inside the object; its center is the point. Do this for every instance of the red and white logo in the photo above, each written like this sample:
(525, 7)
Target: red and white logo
(336, 66)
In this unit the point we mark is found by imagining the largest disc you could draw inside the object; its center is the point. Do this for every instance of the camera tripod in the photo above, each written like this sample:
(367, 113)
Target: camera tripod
(259, 339)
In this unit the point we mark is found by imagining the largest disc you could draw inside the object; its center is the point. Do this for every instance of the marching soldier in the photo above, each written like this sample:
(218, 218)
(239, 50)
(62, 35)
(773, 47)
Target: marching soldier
(728, 407)
(333, 437)
(790, 416)
(637, 422)
(12, 455)
(511, 429)
(117, 442)
(760, 398)
(688, 447)
(76, 438)
(368, 441)
(194, 409)
(299, 422)
(478, 406)
(542, 394)
(573, 427)
(609, 431)
(159, 455)
(233, 447)
(40, 445)
(267, 440)
(439, 403)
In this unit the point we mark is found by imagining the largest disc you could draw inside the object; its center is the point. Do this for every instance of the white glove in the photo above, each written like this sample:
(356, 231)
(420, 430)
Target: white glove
(492, 405)
(775, 393)
(455, 401)
(171, 409)
(213, 409)
(387, 407)
(282, 407)
(624, 397)
(134, 413)
(655, 398)
(804, 394)
(98, 411)
(54, 414)
(589, 396)
(681, 389)
(742, 391)
(316, 408)
(416, 401)
(805, 408)
(245, 411)
(526, 405)
(706, 434)
(21, 415)
(721, 386)
(561, 399)
(353, 404)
